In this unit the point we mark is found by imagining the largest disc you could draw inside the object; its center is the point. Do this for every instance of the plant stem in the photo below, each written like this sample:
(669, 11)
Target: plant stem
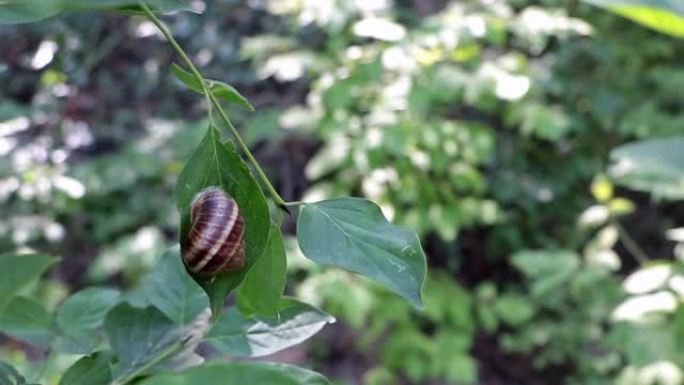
(212, 100)
(630, 244)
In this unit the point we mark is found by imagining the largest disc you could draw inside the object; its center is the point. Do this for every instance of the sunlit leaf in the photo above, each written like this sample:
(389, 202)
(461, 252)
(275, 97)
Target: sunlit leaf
(352, 233)
(665, 16)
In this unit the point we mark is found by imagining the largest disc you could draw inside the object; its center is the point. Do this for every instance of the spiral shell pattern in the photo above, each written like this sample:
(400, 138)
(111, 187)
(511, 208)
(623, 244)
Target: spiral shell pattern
(216, 241)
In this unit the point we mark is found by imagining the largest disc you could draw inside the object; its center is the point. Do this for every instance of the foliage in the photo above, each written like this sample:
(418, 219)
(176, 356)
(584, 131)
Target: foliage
(499, 131)
(159, 326)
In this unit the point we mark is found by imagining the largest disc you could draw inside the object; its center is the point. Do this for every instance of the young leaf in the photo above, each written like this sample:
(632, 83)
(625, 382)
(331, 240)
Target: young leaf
(220, 89)
(18, 271)
(139, 336)
(80, 316)
(353, 234)
(238, 335)
(172, 290)
(216, 164)
(241, 373)
(27, 320)
(10, 376)
(263, 287)
(95, 369)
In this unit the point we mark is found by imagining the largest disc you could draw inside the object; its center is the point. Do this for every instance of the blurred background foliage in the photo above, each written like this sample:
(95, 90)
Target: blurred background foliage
(485, 125)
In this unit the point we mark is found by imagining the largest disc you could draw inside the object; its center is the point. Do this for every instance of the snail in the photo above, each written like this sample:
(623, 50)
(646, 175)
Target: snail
(215, 242)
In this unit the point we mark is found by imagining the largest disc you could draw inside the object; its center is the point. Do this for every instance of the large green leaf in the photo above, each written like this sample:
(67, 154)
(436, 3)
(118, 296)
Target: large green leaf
(139, 336)
(263, 287)
(242, 373)
(654, 165)
(353, 234)
(86, 309)
(220, 89)
(172, 290)
(216, 164)
(27, 320)
(666, 16)
(238, 335)
(25, 11)
(80, 316)
(95, 369)
(18, 271)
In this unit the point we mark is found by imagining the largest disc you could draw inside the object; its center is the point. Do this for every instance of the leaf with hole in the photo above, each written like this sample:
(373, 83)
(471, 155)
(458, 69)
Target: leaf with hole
(353, 234)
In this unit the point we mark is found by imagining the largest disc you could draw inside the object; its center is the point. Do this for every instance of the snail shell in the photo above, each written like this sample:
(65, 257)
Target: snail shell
(215, 242)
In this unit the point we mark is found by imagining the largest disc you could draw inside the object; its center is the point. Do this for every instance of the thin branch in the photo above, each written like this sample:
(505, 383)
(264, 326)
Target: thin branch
(212, 100)
(630, 244)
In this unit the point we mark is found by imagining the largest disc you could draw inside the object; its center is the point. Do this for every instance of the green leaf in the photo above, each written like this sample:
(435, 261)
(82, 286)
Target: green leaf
(139, 336)
(80, 316)
(264, 285)
(25, 11)
(10, 376)
(665, 16)
(654, 165)
(86, 309)
(95, 369)
(172, 290)
(18, 271)
(548, 269)
(85, 342)
(234, 373)
(220, 89)
(216, 164)
(353, 234)
(27, 320)
(238, 335)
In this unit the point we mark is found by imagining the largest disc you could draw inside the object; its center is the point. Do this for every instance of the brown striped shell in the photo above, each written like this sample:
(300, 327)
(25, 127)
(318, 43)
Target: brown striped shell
(216, 240)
